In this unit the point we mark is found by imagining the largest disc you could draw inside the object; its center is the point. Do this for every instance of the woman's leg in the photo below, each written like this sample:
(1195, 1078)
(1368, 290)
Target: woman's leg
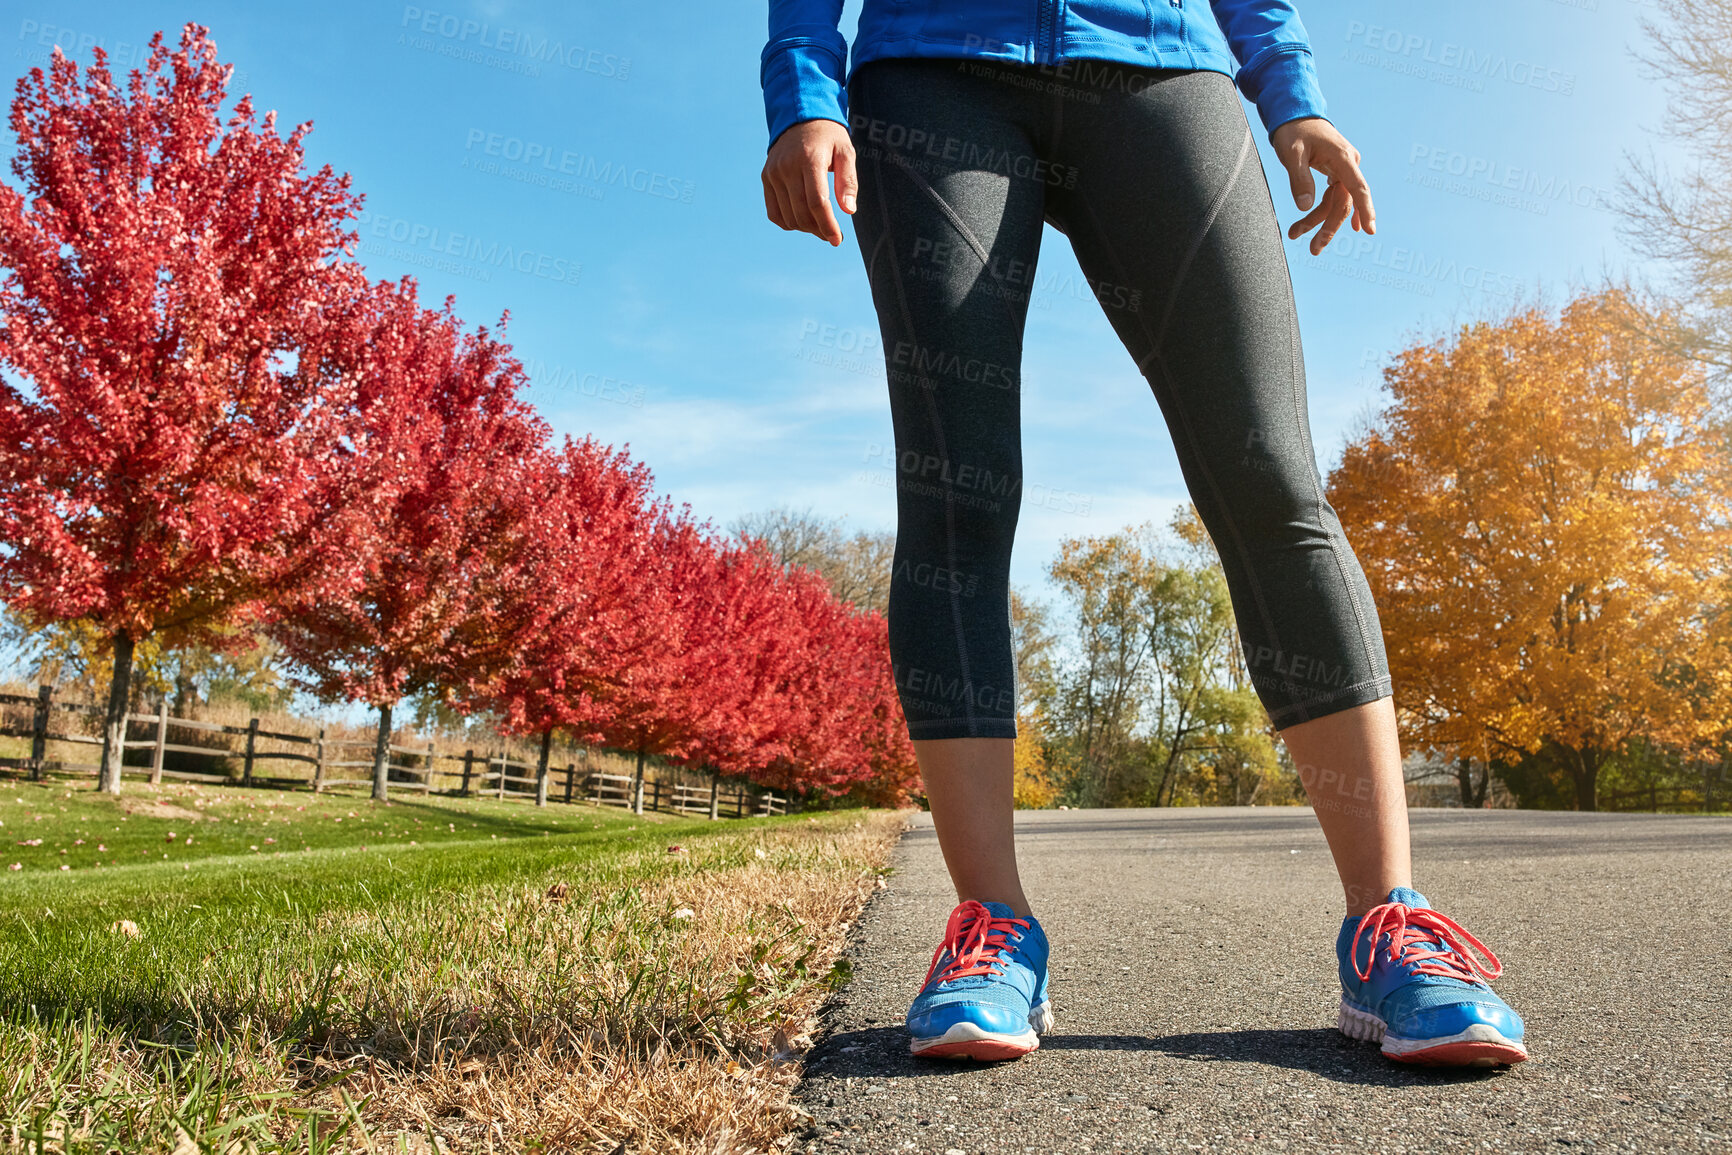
(1350, 763)
(949, 225)
(1172, 221)
(950, 217)
(969, 785)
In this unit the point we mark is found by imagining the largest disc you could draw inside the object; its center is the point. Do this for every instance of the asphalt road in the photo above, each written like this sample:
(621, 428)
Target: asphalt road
(1195, 992)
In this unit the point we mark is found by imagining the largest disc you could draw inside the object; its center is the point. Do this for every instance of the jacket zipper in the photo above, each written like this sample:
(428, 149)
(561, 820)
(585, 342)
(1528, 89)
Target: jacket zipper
(1045, 34)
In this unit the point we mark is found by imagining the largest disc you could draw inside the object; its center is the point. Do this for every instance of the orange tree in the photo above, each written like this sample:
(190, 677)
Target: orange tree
(1542, 510)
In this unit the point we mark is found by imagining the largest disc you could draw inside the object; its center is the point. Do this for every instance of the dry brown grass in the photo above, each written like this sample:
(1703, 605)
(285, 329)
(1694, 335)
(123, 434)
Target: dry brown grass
(700, 1077)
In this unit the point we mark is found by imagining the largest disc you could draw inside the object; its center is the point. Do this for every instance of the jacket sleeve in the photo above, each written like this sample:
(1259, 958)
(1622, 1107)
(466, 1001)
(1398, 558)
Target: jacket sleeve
(1276, 69)
(804, 64)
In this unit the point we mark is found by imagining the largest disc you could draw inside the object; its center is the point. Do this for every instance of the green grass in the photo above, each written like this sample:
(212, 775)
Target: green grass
(84, 830)
(260, 979)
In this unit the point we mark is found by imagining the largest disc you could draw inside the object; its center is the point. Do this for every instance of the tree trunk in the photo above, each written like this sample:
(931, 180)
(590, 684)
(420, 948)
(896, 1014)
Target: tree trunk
(382, 753)
(185, 694)
(1473, 789)
(1586, 772)
(637, 785)
(541, 767)
(114, 726)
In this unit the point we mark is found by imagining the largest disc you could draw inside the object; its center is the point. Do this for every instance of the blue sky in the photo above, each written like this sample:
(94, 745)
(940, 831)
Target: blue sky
(740, 362)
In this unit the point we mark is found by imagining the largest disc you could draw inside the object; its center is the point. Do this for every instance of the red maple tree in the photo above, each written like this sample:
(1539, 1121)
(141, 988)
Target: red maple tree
(166, 278)
(781, 682)
(443, 407)
(847, 728)
(578, 630)
(725, 700)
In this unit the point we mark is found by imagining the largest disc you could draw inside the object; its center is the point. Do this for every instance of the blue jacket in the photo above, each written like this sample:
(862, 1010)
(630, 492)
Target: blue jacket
(805, 64)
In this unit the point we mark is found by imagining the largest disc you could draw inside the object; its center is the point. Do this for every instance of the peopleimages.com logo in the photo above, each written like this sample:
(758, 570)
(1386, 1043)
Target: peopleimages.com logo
(554, 160)
(479, 253)
(1448, 62)
(462, 33)
(121, 53)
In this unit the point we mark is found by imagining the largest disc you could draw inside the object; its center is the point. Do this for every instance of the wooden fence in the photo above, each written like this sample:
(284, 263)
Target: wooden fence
(333, 761)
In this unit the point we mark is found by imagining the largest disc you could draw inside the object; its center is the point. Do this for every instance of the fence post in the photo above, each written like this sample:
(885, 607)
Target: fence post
(715, 795)
(468, 765)
(39, 731)
(570, 776)
(247, 766)
(429, 775)
(504, 762)
(161, 741)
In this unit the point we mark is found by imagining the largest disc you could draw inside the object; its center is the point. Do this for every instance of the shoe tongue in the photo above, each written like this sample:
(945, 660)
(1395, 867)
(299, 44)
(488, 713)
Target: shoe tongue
(999, 910)
(1407, 896)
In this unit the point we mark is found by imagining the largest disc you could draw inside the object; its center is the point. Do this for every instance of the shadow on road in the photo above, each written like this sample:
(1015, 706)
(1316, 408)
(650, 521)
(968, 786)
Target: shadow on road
(882, 1052)
(1320, 1051)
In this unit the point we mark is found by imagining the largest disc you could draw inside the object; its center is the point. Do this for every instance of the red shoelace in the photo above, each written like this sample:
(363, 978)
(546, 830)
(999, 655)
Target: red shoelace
(1411, 934)
(973, 937)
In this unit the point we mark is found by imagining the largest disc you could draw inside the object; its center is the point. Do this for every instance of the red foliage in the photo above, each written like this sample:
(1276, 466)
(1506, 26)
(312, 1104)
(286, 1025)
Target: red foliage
(577, 627)
(641, 630)
(165, 275)
(443, 408)
(221, 419)
(741, 649)
(849, 730)
(781, 682)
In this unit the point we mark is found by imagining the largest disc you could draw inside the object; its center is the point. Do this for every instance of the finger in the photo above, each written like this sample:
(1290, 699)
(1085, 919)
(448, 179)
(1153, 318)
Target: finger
(847, 180)
(816, 191)
(1364, 215)
(1299, 177)
(1344, 172)
(1336, 200)
(789, 219)
(793, 190)
(772, 206)
(1307, 222)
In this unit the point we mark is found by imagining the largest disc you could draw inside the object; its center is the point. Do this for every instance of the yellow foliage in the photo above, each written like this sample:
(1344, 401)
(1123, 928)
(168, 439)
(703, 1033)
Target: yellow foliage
(1035, 789)
(1544, 512)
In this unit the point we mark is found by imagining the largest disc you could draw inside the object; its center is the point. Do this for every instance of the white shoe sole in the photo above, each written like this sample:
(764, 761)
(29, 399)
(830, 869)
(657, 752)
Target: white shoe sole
(965, 1040)
(1481, 1045)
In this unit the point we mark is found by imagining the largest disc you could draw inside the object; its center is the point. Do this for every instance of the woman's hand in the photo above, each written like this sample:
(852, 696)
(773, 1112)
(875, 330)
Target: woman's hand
(796, 195)
(1313, 143)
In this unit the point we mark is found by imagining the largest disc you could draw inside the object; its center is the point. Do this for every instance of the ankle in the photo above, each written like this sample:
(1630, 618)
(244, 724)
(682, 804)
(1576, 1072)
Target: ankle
(1016, 900)
(1362, 897)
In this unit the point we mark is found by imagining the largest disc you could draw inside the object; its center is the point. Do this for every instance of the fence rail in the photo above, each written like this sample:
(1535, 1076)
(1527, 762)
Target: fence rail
(481, 772)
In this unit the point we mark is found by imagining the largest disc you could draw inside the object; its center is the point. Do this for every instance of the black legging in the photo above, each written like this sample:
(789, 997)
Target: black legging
(1154, 177)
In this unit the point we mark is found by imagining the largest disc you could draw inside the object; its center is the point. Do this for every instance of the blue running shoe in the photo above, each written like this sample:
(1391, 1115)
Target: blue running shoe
(984, 996)
(1408, 979)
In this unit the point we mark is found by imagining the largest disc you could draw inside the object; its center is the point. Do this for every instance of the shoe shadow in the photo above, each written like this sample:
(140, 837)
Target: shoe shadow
(882, 1052)
(1321, 1051)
